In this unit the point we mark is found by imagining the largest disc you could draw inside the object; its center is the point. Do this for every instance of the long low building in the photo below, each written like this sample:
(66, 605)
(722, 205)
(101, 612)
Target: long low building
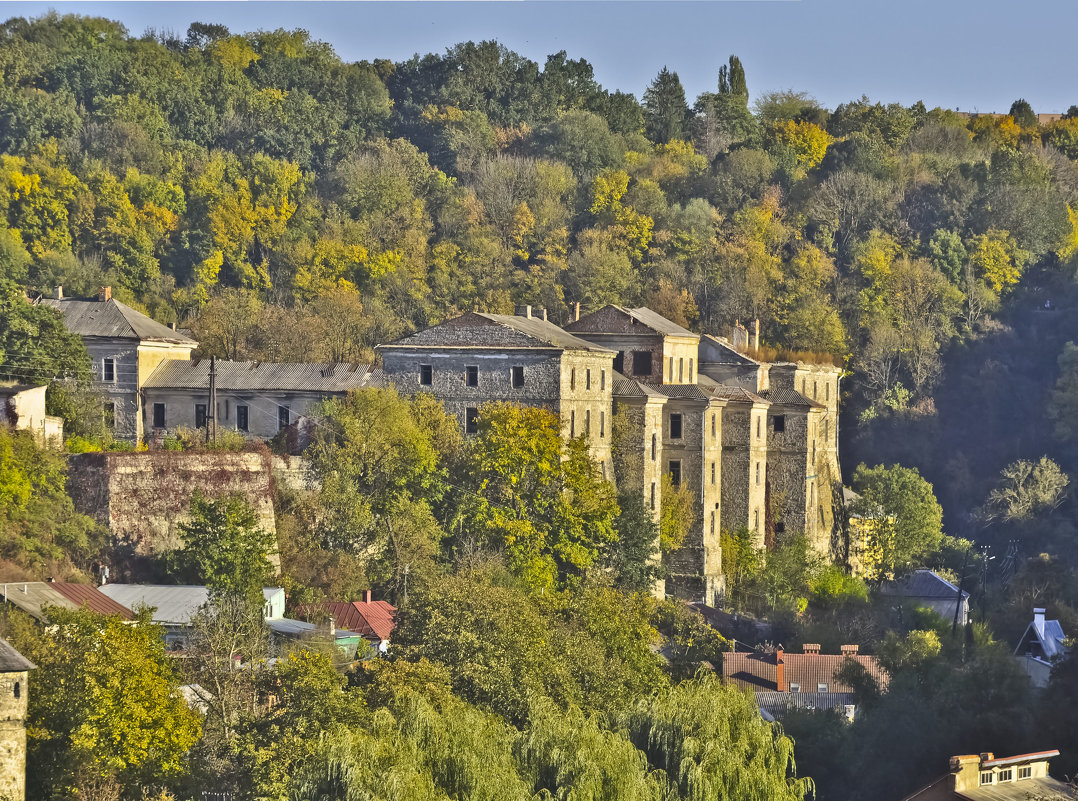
(258, 399)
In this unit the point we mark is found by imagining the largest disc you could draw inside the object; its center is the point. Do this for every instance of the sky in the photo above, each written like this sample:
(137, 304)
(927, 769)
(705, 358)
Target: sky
(976, 55)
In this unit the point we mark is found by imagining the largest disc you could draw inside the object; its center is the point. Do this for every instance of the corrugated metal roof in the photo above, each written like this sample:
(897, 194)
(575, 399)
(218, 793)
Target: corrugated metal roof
(112, 319)
(287, 627)
(258, 376)
(11, 661)
(174, 605)
(777, 703)
(90, 597)
(374, 619)
(922, 583)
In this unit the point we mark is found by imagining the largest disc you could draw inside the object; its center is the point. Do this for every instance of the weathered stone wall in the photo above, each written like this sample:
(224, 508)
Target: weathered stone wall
(263, 408)
(143, 497)
(13, 696)
(787, 468)
(586, 402)
(744, 468)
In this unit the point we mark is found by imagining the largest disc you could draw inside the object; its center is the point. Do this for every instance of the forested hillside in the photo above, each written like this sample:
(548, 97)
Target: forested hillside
(286, 205)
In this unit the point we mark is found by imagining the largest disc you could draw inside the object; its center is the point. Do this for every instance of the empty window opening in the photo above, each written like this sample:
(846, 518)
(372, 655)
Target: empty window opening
(827, 392)
(518, 376)
(780, 423)
(587, 422)
(602, 467)
(471, 420)
(587, 379)
(619, 362)
(471, 376)
(284, 418)
(572, 378)
(780, 527)
(675, 426)
(756, 519)
(426, 375)
(815, 386)
(159, 415)
(757, 428)
(675, 472)
(653, 496)
(690, 371)
(572, 424)
(712, 528)
(713, 425)
(641, 362)
(108, 370)
(680, 370)
(200, 415)
(712, 472)
(757, 474)
(654, 440)
(602, 379)
(602, 424)
(18, 689)
(242, 418)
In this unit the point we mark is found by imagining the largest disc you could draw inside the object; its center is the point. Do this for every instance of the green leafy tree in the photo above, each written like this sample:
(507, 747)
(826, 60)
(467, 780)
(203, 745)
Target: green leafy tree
(225, 547)
(535, 496)
(666, 113)
(903, 518)
(104, 707)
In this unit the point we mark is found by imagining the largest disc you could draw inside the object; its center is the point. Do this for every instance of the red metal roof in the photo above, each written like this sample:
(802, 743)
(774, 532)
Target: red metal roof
(372, 619)
(90, 597)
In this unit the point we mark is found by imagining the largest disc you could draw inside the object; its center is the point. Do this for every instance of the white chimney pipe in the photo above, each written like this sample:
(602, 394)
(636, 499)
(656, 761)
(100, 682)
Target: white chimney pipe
(1038, 618)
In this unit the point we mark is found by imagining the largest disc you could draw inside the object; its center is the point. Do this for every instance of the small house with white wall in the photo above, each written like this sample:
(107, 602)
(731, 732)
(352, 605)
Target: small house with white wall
(1041, 645)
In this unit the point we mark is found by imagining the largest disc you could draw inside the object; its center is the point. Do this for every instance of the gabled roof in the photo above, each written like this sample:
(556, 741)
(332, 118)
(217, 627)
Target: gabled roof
(373, 619)
(642, 315)
(33, 596)
(758, 671)
(174, 605)
(1049, 633)
(718, 350)
(922, 583)
(113, 320)
(502, 330)
(254, 376)
(11, 661)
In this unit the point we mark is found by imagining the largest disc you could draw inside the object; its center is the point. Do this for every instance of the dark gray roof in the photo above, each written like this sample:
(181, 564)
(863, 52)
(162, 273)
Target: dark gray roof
(789, 397)
(778, 703)
(731, 392)
(654, 320)
(683, 391)
(112, 319)
(544, 331)
(257, 376)
(478, 330)
(631, 388)
(11, 661)
(718, 350)
(922, 583)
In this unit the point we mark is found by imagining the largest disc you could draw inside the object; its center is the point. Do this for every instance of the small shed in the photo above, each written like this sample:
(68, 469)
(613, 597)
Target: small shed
(926, 588)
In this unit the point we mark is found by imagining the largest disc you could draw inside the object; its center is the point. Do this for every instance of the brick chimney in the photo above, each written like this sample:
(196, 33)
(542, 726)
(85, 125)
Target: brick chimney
(366, 596)
(105, 293)
(524, 311)
(780, 672)
(848, 650)
(756, 336)
(59, 292)
(810, 648)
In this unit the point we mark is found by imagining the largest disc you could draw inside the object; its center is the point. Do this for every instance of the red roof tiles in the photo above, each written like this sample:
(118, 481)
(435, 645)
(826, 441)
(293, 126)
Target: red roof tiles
(758, 671)
(373, 619)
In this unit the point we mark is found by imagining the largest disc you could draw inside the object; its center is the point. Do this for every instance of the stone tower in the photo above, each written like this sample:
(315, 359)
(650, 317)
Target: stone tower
(14, 669)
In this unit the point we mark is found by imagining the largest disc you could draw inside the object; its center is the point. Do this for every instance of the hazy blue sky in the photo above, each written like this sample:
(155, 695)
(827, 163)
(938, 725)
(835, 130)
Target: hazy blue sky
(977, 55)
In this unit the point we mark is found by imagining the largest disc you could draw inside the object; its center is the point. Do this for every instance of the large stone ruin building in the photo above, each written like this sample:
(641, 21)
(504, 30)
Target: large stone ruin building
(756, 442)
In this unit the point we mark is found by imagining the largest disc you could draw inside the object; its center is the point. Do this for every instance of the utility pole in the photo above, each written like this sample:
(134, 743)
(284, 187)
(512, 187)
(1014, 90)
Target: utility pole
(984, 578)
(958, 601)
(211, 420)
